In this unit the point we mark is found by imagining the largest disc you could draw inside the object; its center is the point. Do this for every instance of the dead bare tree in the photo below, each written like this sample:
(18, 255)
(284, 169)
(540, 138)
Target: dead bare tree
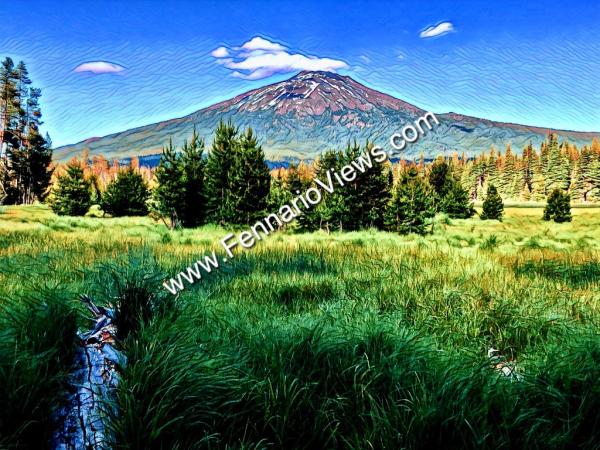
(92, 383)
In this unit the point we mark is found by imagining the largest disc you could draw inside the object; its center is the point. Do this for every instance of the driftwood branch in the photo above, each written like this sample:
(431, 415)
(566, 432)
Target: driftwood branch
(93, 379)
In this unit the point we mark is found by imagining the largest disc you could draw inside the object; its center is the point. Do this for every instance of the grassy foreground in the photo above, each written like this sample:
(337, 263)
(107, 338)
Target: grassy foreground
(356, 340)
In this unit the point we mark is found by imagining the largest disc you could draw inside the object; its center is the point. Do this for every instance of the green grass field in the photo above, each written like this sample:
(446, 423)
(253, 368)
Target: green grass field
(356, 340)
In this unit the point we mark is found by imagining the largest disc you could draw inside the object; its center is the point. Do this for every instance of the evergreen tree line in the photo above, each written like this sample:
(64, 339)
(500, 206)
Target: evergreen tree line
(75, 192)
(233, 186)
(25, 155)
(228, 187)
(534, 175)
(405, 204)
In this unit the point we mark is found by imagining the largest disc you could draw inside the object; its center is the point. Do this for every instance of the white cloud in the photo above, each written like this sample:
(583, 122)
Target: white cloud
(365, 59)
(99, 67)
(259, 58)
(220, 52)
(258, 43)
(437, 30)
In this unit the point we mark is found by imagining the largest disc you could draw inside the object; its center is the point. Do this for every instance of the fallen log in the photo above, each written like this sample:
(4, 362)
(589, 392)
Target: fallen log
(93, 378)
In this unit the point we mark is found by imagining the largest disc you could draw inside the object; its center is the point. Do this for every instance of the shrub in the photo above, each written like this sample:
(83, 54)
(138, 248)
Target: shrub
(493, 208)
(73, 193)
(127, 195)
(490, 243)
(558, 207)
(134, 285)
(456, 203)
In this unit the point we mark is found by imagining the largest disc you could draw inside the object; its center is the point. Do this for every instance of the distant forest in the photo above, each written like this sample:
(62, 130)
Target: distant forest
(534, 174)
(529, 176)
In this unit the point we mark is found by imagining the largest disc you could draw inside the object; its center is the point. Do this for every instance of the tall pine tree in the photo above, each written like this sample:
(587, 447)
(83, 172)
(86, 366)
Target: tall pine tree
(9, 104)
(27, 154)
(367, 195)
(169, 194)
(220, 158)
(249, 181)
(332, 212)
(412, 205)
(193, 163)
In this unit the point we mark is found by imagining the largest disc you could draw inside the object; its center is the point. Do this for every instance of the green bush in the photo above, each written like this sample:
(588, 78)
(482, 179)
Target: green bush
(126, 195)
(456, 202)
(558, 207)
(493, 208)
(73, 193)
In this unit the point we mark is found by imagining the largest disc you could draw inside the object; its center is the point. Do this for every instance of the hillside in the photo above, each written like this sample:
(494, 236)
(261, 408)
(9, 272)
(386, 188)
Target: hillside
(312, 111)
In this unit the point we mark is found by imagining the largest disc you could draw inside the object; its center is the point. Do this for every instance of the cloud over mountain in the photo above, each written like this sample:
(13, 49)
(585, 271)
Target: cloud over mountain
(260, 58)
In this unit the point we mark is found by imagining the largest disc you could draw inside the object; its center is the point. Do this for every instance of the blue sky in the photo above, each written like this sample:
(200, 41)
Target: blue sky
(537, 64)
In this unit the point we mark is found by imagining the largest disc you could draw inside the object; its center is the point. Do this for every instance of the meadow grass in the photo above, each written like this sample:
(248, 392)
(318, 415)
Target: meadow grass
(342, 340)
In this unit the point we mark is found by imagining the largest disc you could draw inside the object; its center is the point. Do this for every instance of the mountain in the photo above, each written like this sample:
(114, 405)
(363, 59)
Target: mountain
(315, 111)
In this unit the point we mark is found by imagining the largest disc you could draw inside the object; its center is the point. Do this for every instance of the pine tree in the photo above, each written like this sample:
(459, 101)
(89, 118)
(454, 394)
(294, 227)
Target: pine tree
(492, 172)
(538, 180)
(194, 207)
(169, 194)
(23, 83)
(411, 206)
(439, 175)
(510, 178)
(249, 182)
(468, 179)
(9, 104)
(527, 172)
(293, 182)
(126, 196)
(29, 169)
(28, 154)
(72, 194)
(456, 203)
(367, 195)
(557, 166)
(544, 166)
(584, 185)
(558, 207)
(478, 176)
(40, 173)
(493, 208)
(279, 194)
(332, 212)
(223, 152)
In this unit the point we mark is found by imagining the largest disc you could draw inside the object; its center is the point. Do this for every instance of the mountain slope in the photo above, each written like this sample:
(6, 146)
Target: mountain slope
(314, 111)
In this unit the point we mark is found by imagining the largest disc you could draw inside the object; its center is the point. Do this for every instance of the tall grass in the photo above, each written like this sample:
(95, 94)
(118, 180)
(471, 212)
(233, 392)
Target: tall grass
(209, 381)
(37, 343)
(357, 340)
